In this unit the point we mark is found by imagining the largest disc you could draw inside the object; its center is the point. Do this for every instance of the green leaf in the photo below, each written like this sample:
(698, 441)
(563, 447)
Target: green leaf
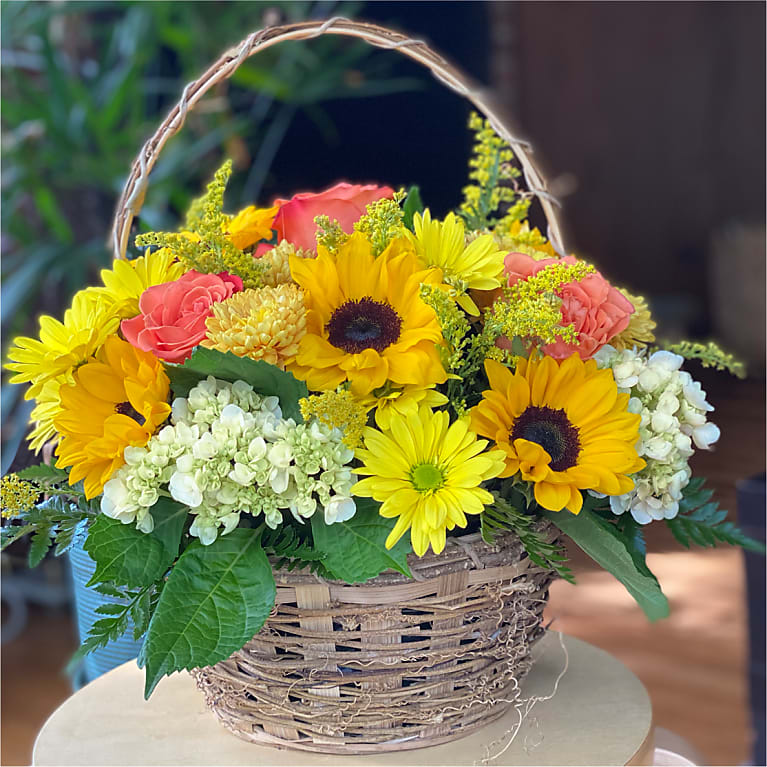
(216, 598)
(502, 516)
(265, 379)
(40, 543)
(603, 542)
(412, 205)
(125, 555)
(11, 533)
(45, 474)
(66, 533)
(355, 550)
(703, 523)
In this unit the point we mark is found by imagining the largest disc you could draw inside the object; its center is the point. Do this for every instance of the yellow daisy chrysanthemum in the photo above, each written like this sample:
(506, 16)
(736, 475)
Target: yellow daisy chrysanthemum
(250, 225)
(129, 278)
(476, 266)
(117, 399)
(404, 400)
(366, 322)
(563, 426)
(427, 472)
(639, 331)
(263, 324)
(62, 345)
(47, 407)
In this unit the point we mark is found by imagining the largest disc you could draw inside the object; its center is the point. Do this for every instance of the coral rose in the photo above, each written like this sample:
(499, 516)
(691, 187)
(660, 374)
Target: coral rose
(173, 314)
(596, 309)
(343, 202)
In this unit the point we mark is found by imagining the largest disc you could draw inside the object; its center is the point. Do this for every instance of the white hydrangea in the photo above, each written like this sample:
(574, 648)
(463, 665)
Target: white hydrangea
(229, 451)
(673, 408)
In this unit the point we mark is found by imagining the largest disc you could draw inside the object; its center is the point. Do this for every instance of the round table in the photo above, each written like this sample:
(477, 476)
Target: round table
(595, 713)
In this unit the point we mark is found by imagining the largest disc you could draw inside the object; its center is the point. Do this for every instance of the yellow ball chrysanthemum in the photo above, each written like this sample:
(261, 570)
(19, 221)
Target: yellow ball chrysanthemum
(62, 345)
(427, 472)
(476, 266)
(562, 426)
(277, 262)
(639, 331)
(263, 324)
(250, 225)
(366, 322)
(128, 279)
(117, 399)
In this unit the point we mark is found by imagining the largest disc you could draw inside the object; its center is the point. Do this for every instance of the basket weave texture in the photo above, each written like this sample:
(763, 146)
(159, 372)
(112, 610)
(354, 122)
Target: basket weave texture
(390, 664)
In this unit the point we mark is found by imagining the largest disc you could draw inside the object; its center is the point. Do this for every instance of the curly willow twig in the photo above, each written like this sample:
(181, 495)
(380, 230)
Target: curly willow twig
(132, 197)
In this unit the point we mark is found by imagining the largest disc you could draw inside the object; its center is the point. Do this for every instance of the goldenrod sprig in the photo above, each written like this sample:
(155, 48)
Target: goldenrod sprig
(530, 309)
(494, 185)
(382, 222)
(205, 247)
(710, 354)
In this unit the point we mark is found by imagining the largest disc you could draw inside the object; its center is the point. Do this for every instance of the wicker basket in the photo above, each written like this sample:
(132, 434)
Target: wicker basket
(391, 664)
(394, 663)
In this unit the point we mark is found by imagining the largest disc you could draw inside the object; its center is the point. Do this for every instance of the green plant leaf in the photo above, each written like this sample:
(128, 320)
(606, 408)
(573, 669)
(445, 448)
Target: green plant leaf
(216, 598)
(125, 555)
(605, 544)
(507, 515)
(44, 473)
(355, 550)
(413, 204)
(41, 541)
(701, 522)
(266, 379)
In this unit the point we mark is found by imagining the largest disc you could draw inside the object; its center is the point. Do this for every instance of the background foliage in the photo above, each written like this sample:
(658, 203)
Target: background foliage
(84, 84)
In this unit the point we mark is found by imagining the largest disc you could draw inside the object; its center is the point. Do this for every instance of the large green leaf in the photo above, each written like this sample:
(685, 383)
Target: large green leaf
(355, 550)
(264, 378)
(126, 556)
(216, 598)
(605, 544)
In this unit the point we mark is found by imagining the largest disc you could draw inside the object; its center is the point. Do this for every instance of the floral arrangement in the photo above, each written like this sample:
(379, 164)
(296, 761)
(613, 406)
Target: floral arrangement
(337, 381)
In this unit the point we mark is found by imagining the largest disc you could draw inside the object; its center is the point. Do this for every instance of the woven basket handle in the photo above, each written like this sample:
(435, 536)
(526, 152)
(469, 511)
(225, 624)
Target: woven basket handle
(132, 196)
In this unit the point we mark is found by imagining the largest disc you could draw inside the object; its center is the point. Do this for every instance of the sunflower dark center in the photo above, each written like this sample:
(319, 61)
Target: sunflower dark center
(552, 430)
(125, 408)
(363, 324)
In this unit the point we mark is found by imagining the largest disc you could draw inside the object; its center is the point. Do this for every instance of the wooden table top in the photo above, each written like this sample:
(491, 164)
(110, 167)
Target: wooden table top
(599, 715)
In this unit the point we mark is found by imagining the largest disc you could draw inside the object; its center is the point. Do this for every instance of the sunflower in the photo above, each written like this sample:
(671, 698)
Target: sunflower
(129, 278)
(62, 345)
(476, 266)
(366, 322)
(118, 399)
(427, 473)
(563, 426)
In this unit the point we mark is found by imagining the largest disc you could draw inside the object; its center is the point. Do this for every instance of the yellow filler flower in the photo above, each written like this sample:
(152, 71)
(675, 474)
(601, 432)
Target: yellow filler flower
(562, 426)
(366, 322)
(427, 473)
(476, 266)
(118, 399)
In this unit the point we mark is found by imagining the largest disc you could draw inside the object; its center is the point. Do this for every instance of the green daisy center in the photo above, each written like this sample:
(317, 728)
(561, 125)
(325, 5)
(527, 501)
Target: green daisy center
(427, 476)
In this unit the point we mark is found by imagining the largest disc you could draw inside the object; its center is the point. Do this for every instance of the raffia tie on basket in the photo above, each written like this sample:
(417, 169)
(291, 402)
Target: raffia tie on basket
(392, 663)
